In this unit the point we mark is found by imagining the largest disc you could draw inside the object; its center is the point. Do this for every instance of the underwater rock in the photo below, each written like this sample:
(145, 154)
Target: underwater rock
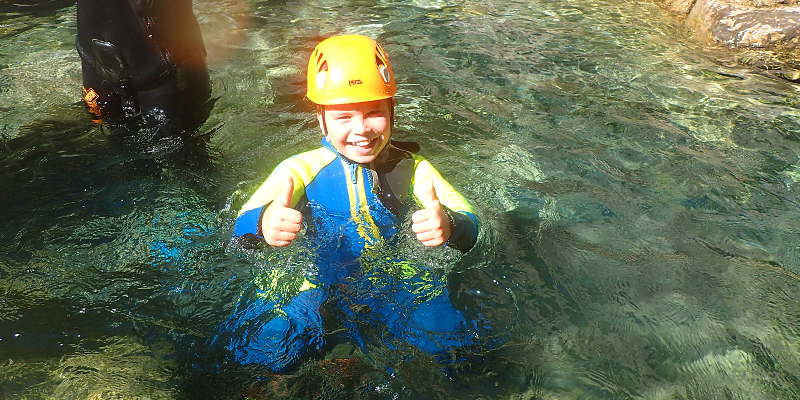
(763, 33)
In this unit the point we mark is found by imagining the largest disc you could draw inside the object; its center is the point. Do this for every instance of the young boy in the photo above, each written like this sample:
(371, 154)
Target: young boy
(353, 193)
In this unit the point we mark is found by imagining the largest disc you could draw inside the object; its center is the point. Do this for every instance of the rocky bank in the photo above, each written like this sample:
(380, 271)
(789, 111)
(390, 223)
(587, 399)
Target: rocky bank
(762, 33)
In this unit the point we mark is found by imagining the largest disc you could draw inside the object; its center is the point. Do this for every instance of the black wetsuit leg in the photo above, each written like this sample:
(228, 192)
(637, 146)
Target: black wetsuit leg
(161, 58)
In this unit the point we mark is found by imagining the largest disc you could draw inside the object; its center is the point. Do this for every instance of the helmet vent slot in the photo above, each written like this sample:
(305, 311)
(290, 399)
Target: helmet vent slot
(381, 54)
(322, 75)
(384, 71)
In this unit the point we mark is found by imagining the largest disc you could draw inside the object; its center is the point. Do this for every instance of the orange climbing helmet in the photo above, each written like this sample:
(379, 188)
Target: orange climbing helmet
(349, 69)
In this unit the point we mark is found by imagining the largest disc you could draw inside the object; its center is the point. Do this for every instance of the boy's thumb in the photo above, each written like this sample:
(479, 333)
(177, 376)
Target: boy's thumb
(428, 196)
(285, 196)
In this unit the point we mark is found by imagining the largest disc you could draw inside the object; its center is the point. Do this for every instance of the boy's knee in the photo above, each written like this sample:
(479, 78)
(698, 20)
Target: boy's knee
(273, 345)
(434, 326)
(276, 337)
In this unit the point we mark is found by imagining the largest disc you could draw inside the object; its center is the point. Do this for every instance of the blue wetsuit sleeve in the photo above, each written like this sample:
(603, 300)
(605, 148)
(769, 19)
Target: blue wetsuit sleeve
(464, 222)
(465, 227)
(248, 223)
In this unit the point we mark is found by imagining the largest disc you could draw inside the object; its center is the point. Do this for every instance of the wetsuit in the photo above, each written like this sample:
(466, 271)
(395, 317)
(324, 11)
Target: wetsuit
(141, 57)
(351, 211)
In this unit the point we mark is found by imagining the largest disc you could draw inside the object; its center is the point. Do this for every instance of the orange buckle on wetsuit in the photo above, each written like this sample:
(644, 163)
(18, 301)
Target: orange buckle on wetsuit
(90, 97)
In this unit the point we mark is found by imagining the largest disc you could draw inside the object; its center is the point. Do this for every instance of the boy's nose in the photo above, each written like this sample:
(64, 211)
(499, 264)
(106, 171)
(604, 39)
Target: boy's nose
(359, 125)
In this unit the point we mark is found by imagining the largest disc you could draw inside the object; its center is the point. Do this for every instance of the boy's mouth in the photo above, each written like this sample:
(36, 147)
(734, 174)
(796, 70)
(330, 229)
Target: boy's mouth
(363, 144)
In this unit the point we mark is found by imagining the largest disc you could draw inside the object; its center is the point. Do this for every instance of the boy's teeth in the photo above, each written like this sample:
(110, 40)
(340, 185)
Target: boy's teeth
(361, 143)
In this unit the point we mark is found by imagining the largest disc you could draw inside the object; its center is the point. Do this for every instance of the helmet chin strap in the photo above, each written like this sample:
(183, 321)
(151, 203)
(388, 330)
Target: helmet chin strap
(321, 111)
(391, 115)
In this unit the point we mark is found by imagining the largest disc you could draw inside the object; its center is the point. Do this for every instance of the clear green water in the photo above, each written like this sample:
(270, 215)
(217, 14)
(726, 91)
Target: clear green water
(639, 194)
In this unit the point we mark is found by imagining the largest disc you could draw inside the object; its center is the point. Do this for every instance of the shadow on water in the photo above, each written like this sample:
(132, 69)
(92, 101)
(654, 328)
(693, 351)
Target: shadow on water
(72, 170)
(101, 235)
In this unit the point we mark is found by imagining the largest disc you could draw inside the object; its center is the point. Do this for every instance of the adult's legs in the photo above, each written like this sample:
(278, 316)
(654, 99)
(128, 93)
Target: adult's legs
(144, 61)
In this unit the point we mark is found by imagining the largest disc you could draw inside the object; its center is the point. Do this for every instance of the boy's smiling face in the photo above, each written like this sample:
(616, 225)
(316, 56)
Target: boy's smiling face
(358, 131)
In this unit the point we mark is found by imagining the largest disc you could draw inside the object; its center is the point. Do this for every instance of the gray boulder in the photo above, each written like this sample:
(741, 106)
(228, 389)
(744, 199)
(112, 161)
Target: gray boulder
(763, 33)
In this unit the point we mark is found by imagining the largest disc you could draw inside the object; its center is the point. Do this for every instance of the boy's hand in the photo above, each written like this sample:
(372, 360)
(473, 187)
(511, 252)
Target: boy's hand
(280, 223)
(431, 224)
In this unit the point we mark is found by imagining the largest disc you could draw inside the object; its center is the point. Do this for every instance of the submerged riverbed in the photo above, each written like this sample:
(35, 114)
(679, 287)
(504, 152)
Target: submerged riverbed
(638, 193)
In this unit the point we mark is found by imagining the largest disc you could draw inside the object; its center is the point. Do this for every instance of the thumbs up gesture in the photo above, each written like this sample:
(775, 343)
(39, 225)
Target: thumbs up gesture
(431, 224)
(280, 223)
